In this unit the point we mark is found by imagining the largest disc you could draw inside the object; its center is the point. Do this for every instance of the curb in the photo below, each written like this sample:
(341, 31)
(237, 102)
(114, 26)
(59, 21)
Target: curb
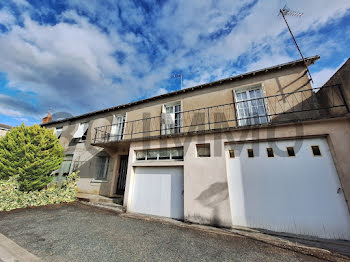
(11, 252)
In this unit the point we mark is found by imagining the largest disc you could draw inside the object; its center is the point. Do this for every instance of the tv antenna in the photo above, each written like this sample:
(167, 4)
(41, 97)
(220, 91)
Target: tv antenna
(286, 11)
(178, 76)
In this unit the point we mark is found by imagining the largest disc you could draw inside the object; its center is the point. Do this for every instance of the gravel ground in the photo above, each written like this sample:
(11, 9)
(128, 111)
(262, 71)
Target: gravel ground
(77, 232)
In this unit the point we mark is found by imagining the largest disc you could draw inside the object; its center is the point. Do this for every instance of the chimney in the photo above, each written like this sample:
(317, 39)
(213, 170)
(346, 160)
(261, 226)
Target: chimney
(46, 119)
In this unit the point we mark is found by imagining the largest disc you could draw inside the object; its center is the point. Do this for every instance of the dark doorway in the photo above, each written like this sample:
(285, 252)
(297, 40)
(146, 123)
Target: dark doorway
(123, 169)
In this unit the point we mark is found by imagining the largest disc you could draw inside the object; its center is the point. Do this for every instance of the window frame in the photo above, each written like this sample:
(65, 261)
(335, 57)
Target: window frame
(287, 150)
(250, 150)
(247, 121)
(176, 129)
(272, 151)
(67, 158)
(172, 156)
(105, 169)
(312, 150)
(57, 130)
(205, 145)
(233, 155)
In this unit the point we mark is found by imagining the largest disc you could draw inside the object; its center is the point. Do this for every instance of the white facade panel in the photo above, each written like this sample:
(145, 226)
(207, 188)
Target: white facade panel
(158, 191)
(300, 194)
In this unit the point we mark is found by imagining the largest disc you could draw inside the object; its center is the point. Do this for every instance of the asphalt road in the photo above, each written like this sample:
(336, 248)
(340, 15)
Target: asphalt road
(76, 232)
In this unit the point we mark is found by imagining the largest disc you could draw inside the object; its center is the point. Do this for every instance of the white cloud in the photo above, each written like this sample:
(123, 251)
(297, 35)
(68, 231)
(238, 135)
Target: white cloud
(6, 18)
(20, 2)
(10, 112)
(161, 91)
(71, 65)
(322, 76)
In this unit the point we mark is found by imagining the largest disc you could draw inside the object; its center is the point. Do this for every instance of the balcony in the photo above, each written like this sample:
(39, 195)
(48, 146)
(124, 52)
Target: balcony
(309, 104)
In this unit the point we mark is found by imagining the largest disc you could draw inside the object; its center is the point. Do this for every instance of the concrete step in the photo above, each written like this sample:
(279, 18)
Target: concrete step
(100, 199)
(108, 206)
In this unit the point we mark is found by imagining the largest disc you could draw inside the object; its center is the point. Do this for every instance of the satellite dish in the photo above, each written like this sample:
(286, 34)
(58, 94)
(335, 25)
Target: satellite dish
(60, 116)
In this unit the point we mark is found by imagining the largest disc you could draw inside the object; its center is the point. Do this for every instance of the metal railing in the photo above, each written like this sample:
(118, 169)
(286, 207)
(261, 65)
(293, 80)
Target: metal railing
(300, 105)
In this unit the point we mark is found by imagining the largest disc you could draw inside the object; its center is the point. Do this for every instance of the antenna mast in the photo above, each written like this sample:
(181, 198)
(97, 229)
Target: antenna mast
(286, 11)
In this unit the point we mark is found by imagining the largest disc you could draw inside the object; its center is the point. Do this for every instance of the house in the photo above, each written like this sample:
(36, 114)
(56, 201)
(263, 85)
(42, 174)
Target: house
(4, 129)
(259, 150)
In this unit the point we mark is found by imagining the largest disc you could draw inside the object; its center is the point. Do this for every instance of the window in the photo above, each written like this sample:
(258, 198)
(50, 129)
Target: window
(251, 107)
(102, 167)
(316, 150)
(290, 151)
(58, 131)
(152, 154)
(250, 152)
(269, 152)
(141, 155)
(117, 129)
(165, 154)
(232, 153)
(65, 166)
(176, 153)
(171, 118)
(81, 133)
(203, 150)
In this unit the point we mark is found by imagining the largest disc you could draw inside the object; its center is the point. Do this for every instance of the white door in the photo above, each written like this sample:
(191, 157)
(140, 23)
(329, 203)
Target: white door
(251, 107)
(158, 191)
(298, 194)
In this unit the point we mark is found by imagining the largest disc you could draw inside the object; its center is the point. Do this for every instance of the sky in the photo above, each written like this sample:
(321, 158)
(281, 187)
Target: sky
(78, 56)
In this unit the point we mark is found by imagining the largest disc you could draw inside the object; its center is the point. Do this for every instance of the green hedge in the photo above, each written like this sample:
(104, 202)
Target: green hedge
(11, 197)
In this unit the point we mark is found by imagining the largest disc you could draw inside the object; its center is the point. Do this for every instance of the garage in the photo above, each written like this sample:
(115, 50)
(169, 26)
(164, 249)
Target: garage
(287, 186)
(158, 191)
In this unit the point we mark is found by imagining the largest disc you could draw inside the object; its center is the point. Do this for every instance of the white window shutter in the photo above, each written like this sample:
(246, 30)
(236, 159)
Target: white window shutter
(81, 130)
(162, 120)
(117, 128)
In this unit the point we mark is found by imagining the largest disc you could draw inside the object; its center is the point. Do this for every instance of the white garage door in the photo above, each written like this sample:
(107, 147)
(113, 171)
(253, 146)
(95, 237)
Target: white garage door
(158, 191)
(296, 194)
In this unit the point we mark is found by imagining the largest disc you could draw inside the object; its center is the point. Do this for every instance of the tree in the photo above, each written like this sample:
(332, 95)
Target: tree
(31, 153)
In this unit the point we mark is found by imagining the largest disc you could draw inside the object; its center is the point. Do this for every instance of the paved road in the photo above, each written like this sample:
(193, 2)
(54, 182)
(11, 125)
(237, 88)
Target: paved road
(77, 232)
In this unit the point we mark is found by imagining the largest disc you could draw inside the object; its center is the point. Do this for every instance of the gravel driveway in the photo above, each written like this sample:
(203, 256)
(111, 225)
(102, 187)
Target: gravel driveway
(77, 232)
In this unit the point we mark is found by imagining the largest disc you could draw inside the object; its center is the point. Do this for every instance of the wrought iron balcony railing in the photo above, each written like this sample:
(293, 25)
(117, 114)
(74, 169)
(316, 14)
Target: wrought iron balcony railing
(300, 105)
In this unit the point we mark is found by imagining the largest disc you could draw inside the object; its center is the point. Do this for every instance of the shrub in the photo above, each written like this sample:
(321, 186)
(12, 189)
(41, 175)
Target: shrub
(31, 154)
(11, 197)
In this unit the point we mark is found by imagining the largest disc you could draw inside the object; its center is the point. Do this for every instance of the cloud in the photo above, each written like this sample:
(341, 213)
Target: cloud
(322, 76)
(11, 106)
(161, 91)
(6, 18)
(10, 112)
(89, 56)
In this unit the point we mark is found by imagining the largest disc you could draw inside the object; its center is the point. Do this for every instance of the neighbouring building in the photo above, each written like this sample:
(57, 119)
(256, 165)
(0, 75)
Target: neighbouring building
(260, 150)
(4, 129)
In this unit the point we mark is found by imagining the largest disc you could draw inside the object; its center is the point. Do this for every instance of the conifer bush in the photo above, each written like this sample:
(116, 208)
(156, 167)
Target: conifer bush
(31, 154)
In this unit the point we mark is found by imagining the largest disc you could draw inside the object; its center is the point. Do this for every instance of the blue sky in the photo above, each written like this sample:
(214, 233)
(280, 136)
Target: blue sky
(78, 56)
